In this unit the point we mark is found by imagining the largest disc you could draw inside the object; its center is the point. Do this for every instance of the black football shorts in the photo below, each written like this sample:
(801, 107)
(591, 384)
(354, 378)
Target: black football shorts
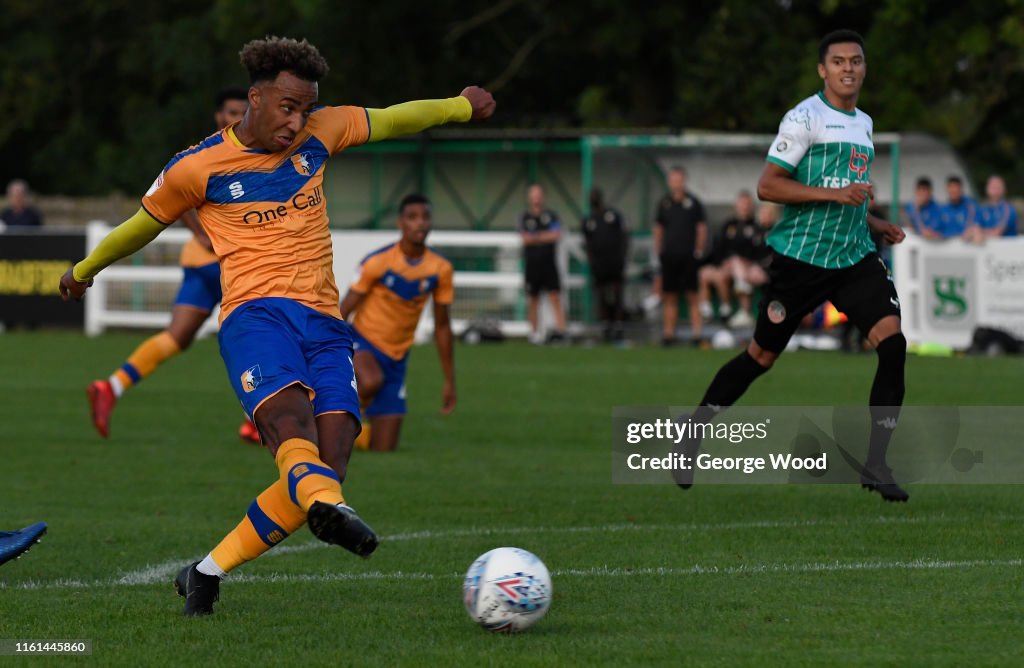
(864, 292)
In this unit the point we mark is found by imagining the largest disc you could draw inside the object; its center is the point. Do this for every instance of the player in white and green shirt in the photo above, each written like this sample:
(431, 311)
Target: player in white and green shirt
(819, 167)
(824, 147)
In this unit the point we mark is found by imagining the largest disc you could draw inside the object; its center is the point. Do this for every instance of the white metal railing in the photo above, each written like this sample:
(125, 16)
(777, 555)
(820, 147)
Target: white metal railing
(504, 301)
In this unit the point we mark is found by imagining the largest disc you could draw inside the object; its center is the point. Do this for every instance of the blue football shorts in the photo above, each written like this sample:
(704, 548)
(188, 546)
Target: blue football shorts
(271, 343)
(200, 288)
(390, 399)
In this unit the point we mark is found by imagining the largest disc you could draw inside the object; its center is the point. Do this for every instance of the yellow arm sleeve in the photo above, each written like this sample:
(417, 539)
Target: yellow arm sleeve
(412, 117)
(125, 239)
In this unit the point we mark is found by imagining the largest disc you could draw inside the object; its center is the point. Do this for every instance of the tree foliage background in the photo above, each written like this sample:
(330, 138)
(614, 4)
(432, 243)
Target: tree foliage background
(96, 96)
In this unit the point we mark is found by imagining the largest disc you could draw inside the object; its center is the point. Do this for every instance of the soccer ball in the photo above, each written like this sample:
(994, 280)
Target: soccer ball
(507, 590)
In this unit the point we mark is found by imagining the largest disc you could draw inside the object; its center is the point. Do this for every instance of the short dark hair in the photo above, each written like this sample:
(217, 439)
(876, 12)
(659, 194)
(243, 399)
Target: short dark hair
(410, 199)
(838, 37)
(231, 94)
(924, 182)
(954, 179)
(266, 58)
(677, 168)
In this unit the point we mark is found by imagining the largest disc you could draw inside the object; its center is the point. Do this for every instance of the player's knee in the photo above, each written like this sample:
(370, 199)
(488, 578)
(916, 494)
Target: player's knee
(279, 428)
(370, 384)
(885, 328)
(182, 337)
(286, 415)
(184, 342)
(764, 358)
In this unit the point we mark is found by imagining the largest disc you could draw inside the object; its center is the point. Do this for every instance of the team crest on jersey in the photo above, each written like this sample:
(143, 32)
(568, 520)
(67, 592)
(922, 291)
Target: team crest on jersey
(776, 312)
(251, 378)
(156, 185)
(424, 285)
(858, 162)
(302, 164)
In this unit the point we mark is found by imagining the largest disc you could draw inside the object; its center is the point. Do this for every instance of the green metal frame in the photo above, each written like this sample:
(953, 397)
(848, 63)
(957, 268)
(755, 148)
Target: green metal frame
(589, 143)
(430, 177)
(423, 172)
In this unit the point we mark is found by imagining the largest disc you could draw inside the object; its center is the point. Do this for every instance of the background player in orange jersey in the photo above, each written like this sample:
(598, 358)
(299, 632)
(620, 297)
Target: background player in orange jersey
(387, 298)
(200, 292)
(258, 189)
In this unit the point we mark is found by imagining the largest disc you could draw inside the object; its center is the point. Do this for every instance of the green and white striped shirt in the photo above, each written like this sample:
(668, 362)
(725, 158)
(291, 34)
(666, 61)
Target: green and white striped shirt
(829, 148)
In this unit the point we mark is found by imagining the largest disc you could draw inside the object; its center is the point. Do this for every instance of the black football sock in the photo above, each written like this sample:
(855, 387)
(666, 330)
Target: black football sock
(729, 384)
(886, 396)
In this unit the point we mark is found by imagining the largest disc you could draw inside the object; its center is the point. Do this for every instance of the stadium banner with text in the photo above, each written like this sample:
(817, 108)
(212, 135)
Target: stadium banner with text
(817, 445)
(31, 264)
(949, 288)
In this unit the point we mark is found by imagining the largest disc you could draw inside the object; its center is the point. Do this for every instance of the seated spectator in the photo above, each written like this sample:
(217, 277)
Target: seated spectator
(713, 272)
(924, 215)
(997, 217)
(746, 265)
(959, 212)
(18, 212)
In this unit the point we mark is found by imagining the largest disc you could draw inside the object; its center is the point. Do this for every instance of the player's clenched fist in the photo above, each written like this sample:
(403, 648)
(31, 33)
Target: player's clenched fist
(854, 194)
(482, 102)
(72, 289)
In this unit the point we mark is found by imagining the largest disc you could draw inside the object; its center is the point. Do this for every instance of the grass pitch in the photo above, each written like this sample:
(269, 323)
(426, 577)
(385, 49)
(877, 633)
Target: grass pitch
(643, 575)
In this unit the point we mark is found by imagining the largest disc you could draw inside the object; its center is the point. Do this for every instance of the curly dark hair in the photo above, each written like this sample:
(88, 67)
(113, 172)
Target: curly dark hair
(268, 57)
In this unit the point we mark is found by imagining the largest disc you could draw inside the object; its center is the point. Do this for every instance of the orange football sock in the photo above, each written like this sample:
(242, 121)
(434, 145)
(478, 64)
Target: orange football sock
(150, 354)
(306, 476)
(269, 520)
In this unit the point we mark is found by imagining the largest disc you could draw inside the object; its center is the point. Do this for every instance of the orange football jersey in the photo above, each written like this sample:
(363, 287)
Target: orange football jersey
(264, 212)
(396, 291)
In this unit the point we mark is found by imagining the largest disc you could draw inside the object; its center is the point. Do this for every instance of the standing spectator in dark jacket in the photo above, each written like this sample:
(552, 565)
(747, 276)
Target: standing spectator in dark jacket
(606, 240)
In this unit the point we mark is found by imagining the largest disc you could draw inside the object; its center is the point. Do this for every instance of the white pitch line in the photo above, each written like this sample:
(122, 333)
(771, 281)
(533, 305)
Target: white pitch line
(167, 569)
(596, 572)
(156, 573)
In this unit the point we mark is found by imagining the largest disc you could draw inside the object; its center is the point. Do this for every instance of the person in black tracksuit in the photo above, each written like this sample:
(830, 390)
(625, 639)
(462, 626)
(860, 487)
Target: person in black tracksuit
(606, 240)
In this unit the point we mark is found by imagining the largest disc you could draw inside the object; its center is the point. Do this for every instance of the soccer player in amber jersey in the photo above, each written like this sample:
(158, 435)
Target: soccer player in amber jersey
(819, 167)
(200, 292)
(258, 190)
(387, 298)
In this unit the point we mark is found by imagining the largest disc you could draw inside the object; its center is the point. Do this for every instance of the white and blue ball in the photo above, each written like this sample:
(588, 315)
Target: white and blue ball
(507, 590)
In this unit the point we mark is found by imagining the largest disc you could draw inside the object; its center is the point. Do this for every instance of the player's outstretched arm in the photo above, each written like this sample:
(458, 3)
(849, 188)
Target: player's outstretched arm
(778, 185)
(473, 104)
(123, 240)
